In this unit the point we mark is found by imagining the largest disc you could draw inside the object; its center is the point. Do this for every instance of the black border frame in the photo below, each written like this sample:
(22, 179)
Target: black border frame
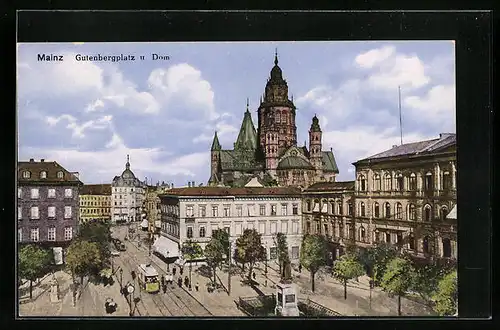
(474, 37)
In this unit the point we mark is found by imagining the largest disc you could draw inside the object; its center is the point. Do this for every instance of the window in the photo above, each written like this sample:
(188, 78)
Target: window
(34, 212)
(411, 242)
(295, 252)
(341, 230)
(318, 228)
(362, 234)
(446, 248)
(20, 234)
(388, 237)
(284, 227)
(295, 227)
(274, 225)
(273, 209)
(189, 232)
(203, 211)
(51, 234)
(19, 192)
(377, 183)
(67, 212)
(262, 227)
(68, 233)
(262, 210)
(26, 175)
(227, 230)
(19, 213)
(227, 211)
(362, 209)
(425, 244)
(35, 234)
(443, 213)
(413, 182)
(376, 210)
(428, 181)
(399, 238)
(239, 210)
(189, 211)
(388, 182)
(295, 209)
(399, 211)
(34, 193)
(340, 209)
(43, 175)
(399, 182)
(273, 253)
(68, 192)
(411, 212)
(51, 211)
(349, 209)
(387, 210)
(362, 183)
(215, 211)
(325, 228)
(427, 212)
(238, 228)
(60, 175)
(283, 209)
(446, 181)
(308, 205)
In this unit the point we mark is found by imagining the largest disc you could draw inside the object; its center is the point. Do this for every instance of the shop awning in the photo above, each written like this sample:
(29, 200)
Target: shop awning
(166, 247)
(144, 223)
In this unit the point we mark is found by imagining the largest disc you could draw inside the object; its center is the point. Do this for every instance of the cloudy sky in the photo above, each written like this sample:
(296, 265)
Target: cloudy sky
(89, 115)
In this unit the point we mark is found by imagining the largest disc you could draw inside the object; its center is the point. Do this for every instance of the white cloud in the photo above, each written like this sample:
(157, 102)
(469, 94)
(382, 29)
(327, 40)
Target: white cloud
(78, 130)
(374, 56)
(224, 130)
(93, 106)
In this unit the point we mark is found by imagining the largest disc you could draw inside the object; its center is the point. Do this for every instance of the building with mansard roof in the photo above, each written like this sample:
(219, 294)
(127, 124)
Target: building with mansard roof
(270, 152)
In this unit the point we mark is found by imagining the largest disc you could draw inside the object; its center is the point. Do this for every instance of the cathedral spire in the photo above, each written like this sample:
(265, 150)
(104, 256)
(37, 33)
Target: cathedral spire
(247, 105)
(276, 56)
(127, 165)
(215, 143)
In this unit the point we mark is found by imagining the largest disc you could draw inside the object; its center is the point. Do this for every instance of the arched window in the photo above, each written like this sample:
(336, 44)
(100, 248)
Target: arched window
(425, 244)
(428, 181)
(341, 229)
(412, 214)
(308, 205)
(446, 180)
(377, 183)
(444, 212)
(316, 207)
(388, 182)
(446, 248)
(376, 210)
(60, 174)
(412, 182)
(399, 211)
(332, 207)
(362, 234)
(387, 210)
(411, 241)
(362, 209)
(427, 212)
(43, 175)
(362, 183)
(399, 182)
(26, 174)
(341, 211)
(278, 117)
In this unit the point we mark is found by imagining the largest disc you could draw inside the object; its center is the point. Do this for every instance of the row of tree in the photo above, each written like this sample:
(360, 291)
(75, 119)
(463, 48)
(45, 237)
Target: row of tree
(388, 268)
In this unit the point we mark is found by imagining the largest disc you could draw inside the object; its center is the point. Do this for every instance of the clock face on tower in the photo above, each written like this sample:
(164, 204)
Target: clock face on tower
(294, 153)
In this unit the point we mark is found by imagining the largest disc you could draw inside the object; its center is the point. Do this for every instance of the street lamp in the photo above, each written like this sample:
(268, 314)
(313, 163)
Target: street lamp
(265, 264)
(229, 268)
(168, 263)
(130, 291)
(121, 276)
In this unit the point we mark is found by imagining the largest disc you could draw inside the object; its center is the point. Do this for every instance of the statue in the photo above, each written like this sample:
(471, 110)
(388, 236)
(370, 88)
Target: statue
(54, 290)
(286, 271)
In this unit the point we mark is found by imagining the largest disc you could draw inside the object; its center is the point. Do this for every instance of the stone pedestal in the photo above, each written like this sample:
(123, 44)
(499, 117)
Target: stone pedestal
(286, 300)
(54, 290)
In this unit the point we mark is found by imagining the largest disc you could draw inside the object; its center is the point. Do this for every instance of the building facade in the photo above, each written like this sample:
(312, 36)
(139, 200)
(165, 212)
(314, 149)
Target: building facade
(193, 213)
(95, 202)
(271, 151)
(47, 203)
(328, 210)
(152, 204)
(403, 196)
(127, 196)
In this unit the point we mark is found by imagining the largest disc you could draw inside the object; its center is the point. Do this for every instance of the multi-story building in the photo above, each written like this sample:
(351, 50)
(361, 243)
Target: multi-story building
(152, 204)
(328, 210)
(47, 203)
(403, 196)
(271, 151)
(194, 212)
(95, 202)
(127, 196)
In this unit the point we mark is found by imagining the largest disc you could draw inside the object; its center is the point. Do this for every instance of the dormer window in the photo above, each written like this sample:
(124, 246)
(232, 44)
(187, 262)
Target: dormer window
(60, 174)
(43, 175)
(26, 174)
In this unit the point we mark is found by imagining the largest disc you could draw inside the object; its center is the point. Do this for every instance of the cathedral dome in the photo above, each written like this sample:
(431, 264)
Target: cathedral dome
(128, 174)
(294, 162)
(276, 73)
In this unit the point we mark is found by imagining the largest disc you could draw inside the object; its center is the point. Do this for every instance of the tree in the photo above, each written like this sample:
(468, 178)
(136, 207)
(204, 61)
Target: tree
(376, 260)
(249, 249)
(347, 267)
(427, 277)
(191, 250)
(446, 296)
(223, 237)
(214, 253)
(312, 254)
(98, 232)
(398, 278)
(82, 258)
(282, 249)
(33, 262)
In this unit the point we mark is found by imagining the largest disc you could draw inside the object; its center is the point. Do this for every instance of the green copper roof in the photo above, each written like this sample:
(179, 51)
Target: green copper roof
(294, 162)
(315, 125)
(247, 138)
(329, 163)
(215, 143)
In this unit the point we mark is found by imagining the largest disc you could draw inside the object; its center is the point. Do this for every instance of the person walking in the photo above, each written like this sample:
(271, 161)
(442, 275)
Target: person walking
(179, 281)
(253, 275)
(174, 270)
(181, 270)
(300, 268)
(162, 280)
(186, 282)
(165, 288)
(197, 287)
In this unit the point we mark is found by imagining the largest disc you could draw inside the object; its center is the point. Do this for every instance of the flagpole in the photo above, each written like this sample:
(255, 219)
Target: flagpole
(400, 120)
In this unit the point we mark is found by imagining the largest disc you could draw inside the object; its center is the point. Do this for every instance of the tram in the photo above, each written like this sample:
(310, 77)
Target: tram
(148, 278)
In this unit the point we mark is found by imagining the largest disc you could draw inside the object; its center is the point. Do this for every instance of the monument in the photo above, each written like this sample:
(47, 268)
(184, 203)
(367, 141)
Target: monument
(286, 293)
(54, 290)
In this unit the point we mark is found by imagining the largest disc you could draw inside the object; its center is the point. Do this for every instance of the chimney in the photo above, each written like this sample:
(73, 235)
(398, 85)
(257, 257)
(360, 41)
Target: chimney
(331, 149)
(32, 160)
(189, 184)
(193, 184)
(42, 160)
(172, 185)
(394, 146)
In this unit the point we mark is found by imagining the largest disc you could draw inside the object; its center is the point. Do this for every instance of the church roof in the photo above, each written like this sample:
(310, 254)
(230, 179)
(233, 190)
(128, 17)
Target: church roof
(329, 163)
(330, 186)
(247, 138)
(215, 143)
(294, 162)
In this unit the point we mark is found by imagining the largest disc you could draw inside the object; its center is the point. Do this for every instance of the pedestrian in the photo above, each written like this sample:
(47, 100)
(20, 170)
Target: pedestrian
(174, 270)
(197, 286)
(179, 282)
(165, 288)
(162, 280)
(186, 281)
(170, 279)
(253, 275)
(300, 268)
(181, 270)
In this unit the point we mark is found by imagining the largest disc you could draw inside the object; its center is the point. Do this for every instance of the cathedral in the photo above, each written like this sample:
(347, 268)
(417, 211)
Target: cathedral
(270, 153)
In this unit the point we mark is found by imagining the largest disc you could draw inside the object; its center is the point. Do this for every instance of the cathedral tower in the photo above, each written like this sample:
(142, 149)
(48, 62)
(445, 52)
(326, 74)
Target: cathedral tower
(276, 116)
(315, 152)
(215, 161)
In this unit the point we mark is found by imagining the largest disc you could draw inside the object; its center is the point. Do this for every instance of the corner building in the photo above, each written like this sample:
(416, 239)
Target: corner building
(95, 203)
(271, 152)
(403, 196)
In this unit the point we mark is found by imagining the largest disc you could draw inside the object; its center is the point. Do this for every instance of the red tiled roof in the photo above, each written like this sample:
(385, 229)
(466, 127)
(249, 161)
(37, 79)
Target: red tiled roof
(226, 191)
(96, 189)
(51, 169)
